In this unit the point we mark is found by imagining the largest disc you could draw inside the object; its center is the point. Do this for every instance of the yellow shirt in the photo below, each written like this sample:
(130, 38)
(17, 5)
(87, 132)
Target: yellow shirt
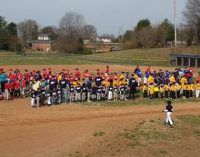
(166, 87)
(122, 76)
(135, 76)
(193, 86)
(184, 86)
(183, 80)
(145, 88)
(59, 77)
(115, 83)
(151, 90)
(178, 87)
(189, 87)
(150, 80)
(156, 89)
(173, 88)
(172, 79)
(197, 86)
(161, 89)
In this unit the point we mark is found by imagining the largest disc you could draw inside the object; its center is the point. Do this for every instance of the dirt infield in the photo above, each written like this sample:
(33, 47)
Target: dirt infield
(91, 68)
(68, 130)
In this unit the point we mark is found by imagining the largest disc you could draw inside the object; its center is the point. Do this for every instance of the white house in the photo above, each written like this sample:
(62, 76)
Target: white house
(103, 40)
(43, 37)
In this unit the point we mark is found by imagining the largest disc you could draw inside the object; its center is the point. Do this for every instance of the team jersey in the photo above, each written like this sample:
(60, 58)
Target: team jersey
(72, 89)
(173, 88)
(172, 79)
(98, 80)
(178, 87)
(197, 86)
(145, 88)
(184, 86)
(162, 89)
(110, 88)
(63, 83)
(183, 80)
(99, 89)
(151, 89)
(84, 89)
(150, 80)
(115, 89)
(122, 89)
(52, 84)
(78, 89)
(115, 83)
(156, 89)
(166, 87)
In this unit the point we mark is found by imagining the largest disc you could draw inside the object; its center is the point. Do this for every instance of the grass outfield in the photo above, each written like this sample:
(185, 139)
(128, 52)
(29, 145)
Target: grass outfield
(158, 57)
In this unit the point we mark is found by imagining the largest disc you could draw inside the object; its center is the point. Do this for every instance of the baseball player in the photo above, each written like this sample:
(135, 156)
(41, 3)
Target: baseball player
(169, 110)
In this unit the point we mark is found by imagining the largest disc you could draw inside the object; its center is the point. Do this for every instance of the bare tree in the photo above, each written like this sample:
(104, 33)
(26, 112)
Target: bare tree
(69, 33)
(147, 37)
(192, 18)
(28, 30)
(89, 32)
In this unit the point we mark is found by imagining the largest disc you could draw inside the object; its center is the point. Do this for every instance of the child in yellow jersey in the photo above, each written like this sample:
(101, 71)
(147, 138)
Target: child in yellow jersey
(187, 86)
(190, 90)
(150, 80)
(184, 90)
(183, 80)
(162, 91)
(151, 91)
(145, 91)
(193, 86)
(173, 91)
(166, 88)
(172, 79)
(156, 91)
(197, 89)
(178, 90)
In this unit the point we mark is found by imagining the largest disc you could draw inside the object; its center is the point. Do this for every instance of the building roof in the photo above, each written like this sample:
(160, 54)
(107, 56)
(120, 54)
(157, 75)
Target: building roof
(186, 55)
(42, 41)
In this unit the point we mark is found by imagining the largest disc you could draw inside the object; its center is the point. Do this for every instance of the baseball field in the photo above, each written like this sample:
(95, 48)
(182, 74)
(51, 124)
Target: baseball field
(98, 129)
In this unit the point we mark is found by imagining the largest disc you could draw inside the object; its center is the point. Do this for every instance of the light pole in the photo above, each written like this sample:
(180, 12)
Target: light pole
(175, 30)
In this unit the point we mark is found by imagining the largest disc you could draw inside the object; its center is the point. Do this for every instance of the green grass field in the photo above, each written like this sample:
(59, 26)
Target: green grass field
(157, 57)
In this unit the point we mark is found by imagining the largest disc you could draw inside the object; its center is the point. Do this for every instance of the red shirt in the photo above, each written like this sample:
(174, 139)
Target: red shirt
(7, 86)
(107, 70)
(24, 83)
(77, 74)
(17, 85)
(12, 85)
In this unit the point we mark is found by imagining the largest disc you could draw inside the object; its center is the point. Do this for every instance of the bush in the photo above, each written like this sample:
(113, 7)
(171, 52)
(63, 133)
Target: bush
(19, 49)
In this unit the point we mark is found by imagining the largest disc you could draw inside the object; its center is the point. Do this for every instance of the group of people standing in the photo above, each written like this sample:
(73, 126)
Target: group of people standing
(51, 88)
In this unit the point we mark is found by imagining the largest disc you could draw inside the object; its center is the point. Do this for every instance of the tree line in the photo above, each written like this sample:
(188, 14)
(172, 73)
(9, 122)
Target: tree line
(147, 35)
(68, 36)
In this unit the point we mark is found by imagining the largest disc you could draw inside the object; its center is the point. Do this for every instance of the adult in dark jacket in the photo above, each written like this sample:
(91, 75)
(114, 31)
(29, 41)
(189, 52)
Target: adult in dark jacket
(132, 86)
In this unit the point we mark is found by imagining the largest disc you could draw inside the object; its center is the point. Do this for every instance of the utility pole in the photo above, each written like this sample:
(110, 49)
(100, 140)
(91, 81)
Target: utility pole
(175, 30)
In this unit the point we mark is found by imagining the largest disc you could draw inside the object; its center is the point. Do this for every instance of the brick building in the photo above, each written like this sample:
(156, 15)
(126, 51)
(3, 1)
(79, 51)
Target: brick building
(44, 43)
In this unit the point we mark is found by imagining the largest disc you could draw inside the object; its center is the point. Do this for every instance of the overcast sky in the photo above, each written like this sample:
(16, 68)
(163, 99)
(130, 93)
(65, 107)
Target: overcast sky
(106, 15)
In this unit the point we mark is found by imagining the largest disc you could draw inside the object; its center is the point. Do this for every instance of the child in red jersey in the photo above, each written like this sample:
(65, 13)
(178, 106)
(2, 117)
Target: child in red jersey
(17, 88)
(12, 89)
(7, 93)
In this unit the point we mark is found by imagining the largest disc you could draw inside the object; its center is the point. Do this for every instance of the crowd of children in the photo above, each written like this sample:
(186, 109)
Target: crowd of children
(175, 84)
(51, 88)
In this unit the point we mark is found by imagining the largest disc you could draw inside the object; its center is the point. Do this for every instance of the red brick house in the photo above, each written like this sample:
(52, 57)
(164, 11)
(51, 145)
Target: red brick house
(44, 43)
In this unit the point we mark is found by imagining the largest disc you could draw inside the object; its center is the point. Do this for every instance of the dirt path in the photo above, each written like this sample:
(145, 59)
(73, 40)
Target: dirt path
(61, 130)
